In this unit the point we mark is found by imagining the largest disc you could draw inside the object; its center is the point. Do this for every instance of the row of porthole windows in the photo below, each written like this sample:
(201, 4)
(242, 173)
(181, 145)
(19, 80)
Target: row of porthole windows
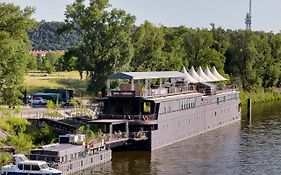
(182, 122)
(223, 111)
(187, 103)
(226, 98)
(82, 162)
(184, 104)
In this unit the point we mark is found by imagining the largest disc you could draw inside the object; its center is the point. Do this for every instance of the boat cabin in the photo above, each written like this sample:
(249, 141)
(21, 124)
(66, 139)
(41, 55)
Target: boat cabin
(33, 165)
(132, 99)
(25, 167)
(70, 146)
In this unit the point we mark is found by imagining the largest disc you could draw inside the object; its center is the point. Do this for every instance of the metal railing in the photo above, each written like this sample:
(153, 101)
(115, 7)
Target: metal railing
(116, 136)
(158, 92)
(227, 88)
(128, 117)
(138, 135)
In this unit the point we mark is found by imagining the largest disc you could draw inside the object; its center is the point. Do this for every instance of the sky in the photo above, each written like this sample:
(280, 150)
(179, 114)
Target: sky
(228, 14)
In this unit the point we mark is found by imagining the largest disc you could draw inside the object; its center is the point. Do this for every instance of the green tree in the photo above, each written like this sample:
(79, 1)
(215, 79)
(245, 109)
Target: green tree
(199, 49)
(14, 50)
(53, 58)
(173, 51)
(21, 141)
(69, 61)
(242, 57)
(148, 43)
(32, 63)
(106, 38)
(44, 135)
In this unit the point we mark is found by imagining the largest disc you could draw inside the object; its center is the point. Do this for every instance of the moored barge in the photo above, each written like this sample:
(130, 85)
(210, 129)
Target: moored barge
(71, 154)
(155, 109)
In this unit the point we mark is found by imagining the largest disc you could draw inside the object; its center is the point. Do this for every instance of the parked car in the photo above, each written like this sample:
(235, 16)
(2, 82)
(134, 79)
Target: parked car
(35, 100)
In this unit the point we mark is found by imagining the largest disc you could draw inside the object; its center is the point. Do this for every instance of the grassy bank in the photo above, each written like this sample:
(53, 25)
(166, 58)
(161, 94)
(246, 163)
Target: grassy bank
(37, 81)
(261, 95)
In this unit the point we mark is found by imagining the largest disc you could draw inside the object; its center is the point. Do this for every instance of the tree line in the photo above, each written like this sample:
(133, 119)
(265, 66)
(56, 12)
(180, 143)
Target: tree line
(109, 41)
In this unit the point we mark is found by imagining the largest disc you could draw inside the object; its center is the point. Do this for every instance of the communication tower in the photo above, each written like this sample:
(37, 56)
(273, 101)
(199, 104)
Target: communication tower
(248, 20)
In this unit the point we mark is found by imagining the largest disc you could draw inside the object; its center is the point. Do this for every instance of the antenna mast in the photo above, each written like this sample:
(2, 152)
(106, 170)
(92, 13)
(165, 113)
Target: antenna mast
(248, 20)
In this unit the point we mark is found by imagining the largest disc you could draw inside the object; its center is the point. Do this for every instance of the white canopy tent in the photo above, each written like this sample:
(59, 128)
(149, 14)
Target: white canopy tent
(188, 77)
(209, 74)
(201, 73)
(193, 73)
(215, 73)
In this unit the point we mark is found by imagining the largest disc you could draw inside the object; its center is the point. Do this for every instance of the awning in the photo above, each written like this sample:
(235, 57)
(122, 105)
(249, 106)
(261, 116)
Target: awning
(215, 73)
(146, 75)
(193, 73)
(201, 73)
(188, 77)
(209, 74)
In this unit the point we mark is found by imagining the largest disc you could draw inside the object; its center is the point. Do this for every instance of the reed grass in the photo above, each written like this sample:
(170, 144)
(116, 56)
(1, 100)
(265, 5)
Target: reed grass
(260, 95)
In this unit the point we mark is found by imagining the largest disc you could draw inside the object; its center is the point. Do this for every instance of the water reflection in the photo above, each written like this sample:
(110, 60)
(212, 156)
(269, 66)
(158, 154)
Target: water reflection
(233, 149)
(205, 154)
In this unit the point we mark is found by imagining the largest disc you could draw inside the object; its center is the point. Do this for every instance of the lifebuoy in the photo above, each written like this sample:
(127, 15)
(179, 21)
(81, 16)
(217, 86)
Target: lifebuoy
(145, 117)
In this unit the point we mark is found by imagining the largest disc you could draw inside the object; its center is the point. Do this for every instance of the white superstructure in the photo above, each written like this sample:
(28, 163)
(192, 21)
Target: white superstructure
(24, 166)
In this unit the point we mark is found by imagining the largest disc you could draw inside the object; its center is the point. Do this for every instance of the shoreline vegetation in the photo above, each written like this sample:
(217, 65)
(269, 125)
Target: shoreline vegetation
(260, 95)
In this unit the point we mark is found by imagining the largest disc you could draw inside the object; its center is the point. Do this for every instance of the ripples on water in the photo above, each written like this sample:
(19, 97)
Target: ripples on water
(233, 149)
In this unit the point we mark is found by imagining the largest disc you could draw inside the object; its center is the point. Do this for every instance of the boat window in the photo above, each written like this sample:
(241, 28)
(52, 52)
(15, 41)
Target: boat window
(20, 166)
(44, 166)
(124, 106)
(169, 109)
(35, 168)
(22, 158)
(27, 167)
(146, 107)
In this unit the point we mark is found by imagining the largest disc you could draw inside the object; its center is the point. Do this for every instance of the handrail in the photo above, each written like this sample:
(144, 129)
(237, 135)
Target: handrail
(150, 92)
(128, 117)
(159, 92)
(138, 135)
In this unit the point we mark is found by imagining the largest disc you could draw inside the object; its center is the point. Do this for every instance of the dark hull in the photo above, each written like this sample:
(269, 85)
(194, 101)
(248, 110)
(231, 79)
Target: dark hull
(133, 145)
(209, 113)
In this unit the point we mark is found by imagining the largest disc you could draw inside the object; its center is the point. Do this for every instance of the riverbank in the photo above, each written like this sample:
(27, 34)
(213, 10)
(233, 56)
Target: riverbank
(261, 95)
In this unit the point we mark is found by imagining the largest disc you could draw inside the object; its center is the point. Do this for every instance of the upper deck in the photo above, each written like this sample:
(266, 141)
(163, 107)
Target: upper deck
(159, 84)
(148, 84)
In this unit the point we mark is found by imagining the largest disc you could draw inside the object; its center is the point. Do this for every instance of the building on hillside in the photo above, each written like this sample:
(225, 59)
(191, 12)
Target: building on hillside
(45, 52)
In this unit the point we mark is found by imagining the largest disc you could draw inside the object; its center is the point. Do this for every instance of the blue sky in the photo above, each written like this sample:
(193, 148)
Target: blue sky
(229, 14)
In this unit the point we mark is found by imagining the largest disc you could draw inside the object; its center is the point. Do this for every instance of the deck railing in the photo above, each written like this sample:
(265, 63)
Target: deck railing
(160, 92)
(157, 92)
(118, 136)
(138, 135)
(128, 117)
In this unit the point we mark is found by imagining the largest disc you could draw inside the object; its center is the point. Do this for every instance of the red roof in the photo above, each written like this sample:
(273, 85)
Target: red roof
(44, 52)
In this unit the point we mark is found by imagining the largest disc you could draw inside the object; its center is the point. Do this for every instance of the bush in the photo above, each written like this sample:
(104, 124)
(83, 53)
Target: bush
(5, 158)
(21, 142)
(14, 124)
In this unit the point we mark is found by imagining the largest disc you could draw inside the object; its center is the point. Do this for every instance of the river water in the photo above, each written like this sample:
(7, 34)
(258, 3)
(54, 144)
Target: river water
(233, 149)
